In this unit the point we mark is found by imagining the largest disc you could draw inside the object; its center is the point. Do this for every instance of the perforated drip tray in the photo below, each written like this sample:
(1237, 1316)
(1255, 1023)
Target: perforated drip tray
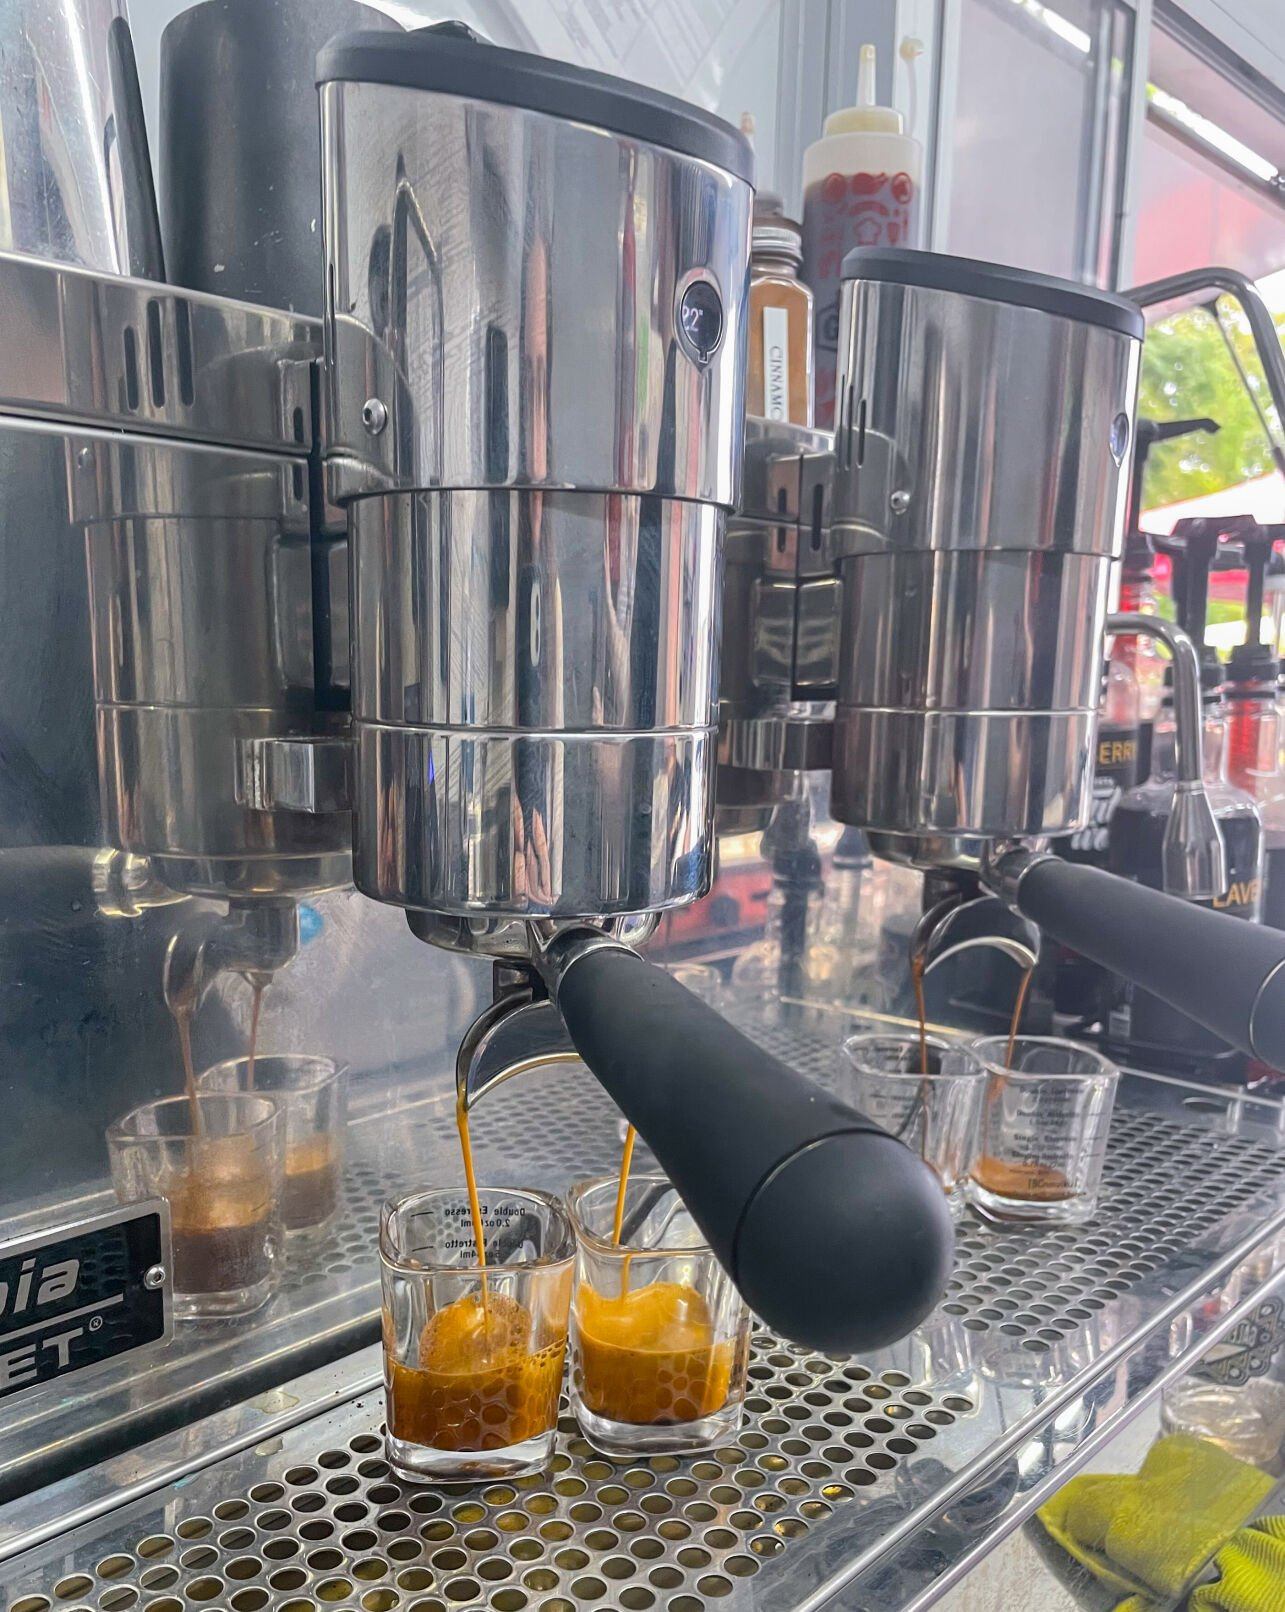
(326, 1524)
(854, 1483)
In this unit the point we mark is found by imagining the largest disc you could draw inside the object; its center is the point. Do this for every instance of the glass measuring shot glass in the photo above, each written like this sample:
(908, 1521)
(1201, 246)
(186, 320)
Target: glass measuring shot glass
(1042, 1135)
(660, 1336)
(934, 1113)
(310, 1092)
(473, 1356)
(219, 1161)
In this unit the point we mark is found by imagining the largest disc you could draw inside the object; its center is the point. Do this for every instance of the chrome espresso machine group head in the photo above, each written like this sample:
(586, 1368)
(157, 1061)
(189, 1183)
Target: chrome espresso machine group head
(537, 293)
(982, 459)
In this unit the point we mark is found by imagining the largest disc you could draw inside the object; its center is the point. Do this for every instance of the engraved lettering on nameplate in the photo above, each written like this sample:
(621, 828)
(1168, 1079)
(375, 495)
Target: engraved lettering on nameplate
(75, 1295)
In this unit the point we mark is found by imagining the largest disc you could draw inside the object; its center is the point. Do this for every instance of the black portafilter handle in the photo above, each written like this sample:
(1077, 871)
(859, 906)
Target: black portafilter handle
(1227, 974)
(833, 1231)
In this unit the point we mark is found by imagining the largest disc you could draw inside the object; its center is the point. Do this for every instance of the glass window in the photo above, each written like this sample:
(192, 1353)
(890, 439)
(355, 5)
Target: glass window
(1210, 192)
(1196, 365)
(1194, 210)
(1039, 106)
(1210, 187)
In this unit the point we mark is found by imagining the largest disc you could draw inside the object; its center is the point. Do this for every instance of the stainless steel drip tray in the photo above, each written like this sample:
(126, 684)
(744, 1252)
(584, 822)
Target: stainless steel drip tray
(856, 1483)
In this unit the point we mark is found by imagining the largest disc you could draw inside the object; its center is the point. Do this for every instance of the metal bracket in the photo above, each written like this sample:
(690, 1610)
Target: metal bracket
(298, 773)
(957, 925)
(521, 1029)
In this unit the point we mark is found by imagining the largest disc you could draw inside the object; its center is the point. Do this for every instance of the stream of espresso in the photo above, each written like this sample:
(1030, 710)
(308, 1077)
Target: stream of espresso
(1015, 1022)
(183, 1022)
(921, 1007)
(626, 1159)
(258, 985)
(474, 1203)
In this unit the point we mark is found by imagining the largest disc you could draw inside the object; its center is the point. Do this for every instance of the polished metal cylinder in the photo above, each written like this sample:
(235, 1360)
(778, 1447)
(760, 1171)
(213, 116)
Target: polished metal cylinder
(981, 473)
(534, 687)
(536, 284)
(75, 177)
(780, 623)
(200, 591)
(520, 300)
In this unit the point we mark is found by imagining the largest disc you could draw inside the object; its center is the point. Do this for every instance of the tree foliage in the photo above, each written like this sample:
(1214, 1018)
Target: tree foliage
(1187, 371)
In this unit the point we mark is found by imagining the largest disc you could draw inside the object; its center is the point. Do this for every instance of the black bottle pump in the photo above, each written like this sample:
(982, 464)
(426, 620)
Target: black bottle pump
(1146, 435)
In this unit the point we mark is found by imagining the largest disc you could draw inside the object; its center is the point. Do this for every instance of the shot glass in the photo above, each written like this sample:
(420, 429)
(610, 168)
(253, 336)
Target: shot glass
(219, 1162)
(933, 1113)
(660, 1337)
(310, 1092)
(473, 1353)
(1042, 1136)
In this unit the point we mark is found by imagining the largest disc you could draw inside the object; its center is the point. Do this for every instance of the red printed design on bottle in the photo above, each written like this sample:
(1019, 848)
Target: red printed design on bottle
(839, 212)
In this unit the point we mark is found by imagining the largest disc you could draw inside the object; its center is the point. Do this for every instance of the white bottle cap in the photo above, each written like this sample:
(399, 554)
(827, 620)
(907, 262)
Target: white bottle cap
(865, 116)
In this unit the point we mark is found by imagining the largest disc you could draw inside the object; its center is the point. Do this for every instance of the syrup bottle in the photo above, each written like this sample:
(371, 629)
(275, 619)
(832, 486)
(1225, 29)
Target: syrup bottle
(861, 187)
(1254, 722)
(778, 384)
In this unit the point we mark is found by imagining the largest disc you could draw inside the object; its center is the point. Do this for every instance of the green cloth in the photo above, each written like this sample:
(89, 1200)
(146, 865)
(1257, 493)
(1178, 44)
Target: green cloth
(1251, 1572)
(1148, 1535)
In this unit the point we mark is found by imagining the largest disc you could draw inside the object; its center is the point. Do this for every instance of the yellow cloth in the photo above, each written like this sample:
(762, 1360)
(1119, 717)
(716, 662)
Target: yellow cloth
(1149, 1535)
(1251, 1572)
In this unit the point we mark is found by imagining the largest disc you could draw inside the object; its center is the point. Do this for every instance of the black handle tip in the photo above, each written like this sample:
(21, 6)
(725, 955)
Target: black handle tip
(868, 1261)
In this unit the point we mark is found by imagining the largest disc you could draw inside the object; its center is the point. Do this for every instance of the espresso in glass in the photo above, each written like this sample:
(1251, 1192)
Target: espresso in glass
(660, 1334)
(310, 1092)
(218, 1161)
(474, 1341)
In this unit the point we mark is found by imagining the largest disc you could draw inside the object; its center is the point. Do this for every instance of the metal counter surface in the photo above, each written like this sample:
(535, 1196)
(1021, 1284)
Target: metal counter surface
(874, 1483)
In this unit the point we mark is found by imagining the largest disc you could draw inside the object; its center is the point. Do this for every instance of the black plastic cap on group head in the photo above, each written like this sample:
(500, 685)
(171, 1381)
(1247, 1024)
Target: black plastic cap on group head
(996, 282)
(454, 61)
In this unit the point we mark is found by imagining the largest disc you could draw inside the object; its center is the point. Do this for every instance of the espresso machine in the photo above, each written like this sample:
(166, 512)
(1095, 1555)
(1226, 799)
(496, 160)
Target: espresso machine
(480, 595)
(533, 438)
(533, 383)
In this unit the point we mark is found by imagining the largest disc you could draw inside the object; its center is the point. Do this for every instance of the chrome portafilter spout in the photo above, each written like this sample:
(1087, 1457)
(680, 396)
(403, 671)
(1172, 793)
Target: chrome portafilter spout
(520, 1029)
(960, 923)
(254, 938)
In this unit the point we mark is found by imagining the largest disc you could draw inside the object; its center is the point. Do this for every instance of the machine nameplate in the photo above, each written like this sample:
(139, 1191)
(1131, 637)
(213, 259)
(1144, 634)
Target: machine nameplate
(79, 1294)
